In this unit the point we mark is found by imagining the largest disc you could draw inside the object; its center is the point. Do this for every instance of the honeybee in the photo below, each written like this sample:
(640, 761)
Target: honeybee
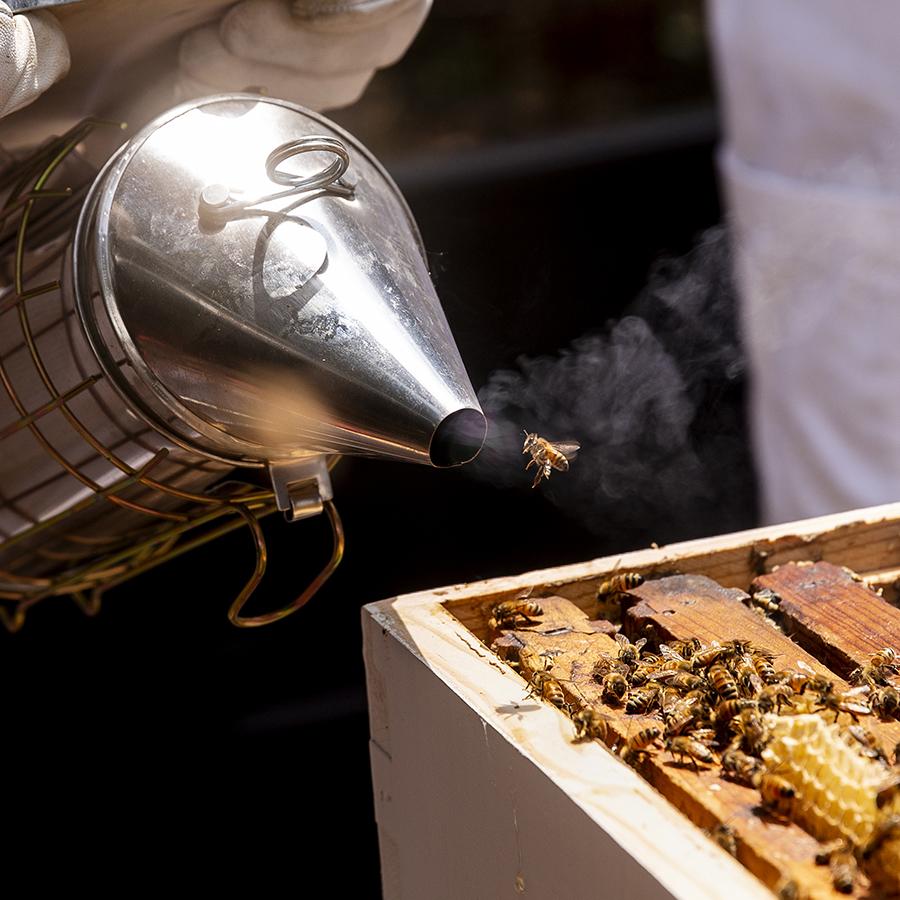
(887, 656)
(547, 455)
(774, 696)
(750, 732)
(888, 791)
(880, 667)
(615, 687)
(681, 681)
(723, 682)
(777, 795)
(885, 701)
(628, 652)
(536, 668)
(723, 835)
(764, 668)
(686, 649)
(680, 715)
(868, 743)
(806, 678)
(747, 676)
(643, 672)
(845, 701)
(686, 746)
(843, 871)
(740, 766)
(591, 724)
(548, 688)
(640, 743)
(607, 664)
(726, 710)
(674, 659)
(887, 829)
(616, 585)
(766, 600)
(642, 699)
(511, 613)
(704, 657)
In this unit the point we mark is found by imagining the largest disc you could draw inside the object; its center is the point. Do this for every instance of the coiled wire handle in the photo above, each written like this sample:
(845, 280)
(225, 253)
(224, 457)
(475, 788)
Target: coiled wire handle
(218, 205)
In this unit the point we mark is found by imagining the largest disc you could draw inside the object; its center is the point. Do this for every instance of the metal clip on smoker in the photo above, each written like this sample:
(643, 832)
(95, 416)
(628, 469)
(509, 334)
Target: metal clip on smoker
(245, 289)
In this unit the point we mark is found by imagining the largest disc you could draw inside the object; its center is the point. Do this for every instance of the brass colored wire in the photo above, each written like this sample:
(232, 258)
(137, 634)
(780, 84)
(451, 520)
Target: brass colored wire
(104, 562)
(337, 553)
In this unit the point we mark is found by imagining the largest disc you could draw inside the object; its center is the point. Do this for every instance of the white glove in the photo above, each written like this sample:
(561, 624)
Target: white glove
(320, 53)
(34, 56)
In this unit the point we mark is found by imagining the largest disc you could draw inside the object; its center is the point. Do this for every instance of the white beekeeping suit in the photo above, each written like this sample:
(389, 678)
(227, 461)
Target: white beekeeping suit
(133, 58)
(810, 91)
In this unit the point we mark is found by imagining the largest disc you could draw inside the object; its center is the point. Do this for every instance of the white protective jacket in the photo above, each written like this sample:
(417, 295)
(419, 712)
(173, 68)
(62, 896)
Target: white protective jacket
(811, 171)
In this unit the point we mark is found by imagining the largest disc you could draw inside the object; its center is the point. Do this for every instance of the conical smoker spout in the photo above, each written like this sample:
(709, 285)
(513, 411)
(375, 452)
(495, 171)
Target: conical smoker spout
(458, 439)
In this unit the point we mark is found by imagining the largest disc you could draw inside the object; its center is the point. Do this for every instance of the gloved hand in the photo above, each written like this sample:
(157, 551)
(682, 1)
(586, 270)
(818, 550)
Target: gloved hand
(34, 56)
(320, 53)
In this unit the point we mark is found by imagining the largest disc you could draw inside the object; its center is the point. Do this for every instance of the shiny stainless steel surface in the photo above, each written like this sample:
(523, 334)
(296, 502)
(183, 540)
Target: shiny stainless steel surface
(304, 323)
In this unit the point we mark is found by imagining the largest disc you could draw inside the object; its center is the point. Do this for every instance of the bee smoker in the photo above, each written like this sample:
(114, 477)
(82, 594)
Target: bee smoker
(244, 289)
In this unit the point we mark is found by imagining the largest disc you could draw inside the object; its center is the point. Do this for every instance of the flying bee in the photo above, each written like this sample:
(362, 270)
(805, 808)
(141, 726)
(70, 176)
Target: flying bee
(591, 724)
(615, 687)
(547, 455)
(684, 746)
(843, 871)
(642, 699)
(723, 835)
(723, 682)
(519, 610)
(740, 767)
(766, 600)
(639, 744)
(774, 696)
(885, 701)
(777, 795)
(844, 701)
(628, 652)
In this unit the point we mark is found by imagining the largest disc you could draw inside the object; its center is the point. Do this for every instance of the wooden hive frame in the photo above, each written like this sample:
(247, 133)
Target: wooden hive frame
(480, 792)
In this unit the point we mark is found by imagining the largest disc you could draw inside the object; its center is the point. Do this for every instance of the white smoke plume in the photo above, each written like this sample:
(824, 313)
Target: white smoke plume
(655, 400)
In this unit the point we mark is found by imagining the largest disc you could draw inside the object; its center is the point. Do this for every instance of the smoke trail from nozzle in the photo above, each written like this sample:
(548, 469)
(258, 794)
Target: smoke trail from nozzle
(655, 402)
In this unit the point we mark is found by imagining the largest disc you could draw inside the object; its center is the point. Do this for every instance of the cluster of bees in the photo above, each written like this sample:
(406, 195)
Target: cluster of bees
(712, 703)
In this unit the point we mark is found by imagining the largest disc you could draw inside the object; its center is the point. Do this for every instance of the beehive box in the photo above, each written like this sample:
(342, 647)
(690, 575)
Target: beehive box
(480, 790)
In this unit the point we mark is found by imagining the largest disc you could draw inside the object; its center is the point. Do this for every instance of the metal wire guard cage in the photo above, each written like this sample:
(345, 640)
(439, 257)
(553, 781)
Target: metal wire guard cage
(169, 518)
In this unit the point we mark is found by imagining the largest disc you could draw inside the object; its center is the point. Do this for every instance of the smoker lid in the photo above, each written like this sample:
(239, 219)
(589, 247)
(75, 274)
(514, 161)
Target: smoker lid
(240, 242)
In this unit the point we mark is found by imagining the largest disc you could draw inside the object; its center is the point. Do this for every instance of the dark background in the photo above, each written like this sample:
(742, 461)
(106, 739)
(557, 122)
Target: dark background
(551, 153)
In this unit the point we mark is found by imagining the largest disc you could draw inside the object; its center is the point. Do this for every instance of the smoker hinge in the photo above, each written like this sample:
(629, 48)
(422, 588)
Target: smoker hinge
(301, 486)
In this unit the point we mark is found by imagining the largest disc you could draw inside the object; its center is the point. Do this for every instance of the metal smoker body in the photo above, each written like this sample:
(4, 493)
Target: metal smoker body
(246, 288)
